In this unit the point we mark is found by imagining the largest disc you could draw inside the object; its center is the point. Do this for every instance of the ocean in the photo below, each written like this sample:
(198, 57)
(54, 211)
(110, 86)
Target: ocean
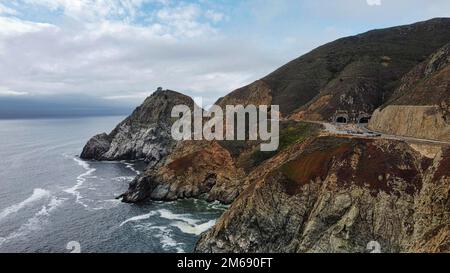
(53, 202)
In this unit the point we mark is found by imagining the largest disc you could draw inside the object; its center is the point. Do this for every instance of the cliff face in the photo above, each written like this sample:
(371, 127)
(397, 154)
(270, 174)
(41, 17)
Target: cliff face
(427, 122)
(191, 171)
(420, 107)
(215, 171)
(357, 73)
(330, 194)
(145, 134)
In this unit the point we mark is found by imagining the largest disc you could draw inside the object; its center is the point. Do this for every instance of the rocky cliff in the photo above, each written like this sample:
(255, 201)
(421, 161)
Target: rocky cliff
(331, 194)
(193, 170)
(144, 135)
(214, 171)
(420, 107)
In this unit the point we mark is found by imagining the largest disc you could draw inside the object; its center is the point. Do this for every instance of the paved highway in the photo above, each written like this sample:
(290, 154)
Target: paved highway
(361, 131)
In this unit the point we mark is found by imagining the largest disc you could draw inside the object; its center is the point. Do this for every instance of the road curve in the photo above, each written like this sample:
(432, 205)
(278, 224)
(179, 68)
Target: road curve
(362, 132)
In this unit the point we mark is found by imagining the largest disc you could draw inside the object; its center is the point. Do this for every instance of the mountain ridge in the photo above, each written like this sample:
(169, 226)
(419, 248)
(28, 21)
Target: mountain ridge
(316, 81)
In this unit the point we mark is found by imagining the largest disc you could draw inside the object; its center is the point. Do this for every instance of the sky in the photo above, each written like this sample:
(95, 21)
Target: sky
(121, 51)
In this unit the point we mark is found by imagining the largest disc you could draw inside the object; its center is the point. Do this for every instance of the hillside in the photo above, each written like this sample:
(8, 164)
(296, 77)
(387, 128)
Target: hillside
(420, 107)
(357, 73)
(320, 196)
(428, 83)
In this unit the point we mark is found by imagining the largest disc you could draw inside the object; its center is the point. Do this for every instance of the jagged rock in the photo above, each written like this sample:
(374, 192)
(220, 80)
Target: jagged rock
(144, 135)
(96, 147)
(332, 194)
(193, 170)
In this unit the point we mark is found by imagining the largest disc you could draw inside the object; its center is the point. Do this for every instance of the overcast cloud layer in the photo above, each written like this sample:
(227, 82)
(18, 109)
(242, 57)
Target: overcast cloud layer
(123, 50)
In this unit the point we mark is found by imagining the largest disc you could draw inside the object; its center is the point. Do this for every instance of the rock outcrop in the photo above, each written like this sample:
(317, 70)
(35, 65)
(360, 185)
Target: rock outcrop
(193, 170)
(144, 135)
(420, 107)
(331, 194)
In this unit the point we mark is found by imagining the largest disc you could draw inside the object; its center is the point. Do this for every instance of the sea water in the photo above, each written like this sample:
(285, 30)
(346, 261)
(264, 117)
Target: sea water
(49, 197)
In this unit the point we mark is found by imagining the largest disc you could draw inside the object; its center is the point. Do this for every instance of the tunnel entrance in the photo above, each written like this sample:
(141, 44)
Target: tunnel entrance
(341, 120)
(364, 120)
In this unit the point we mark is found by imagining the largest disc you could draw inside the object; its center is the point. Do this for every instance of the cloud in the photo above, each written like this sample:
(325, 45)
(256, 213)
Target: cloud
(91, 9)
(183, 20)
(176, 47)
(16, 27)
(5, 91)
(214, 16)
(373, 2)
(123, 50)
(7, 10)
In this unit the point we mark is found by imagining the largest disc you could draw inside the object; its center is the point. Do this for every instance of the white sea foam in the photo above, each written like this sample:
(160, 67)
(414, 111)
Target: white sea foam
(35, 223)
(194, 229)
(131, 167)
(185, 223)
(123, 178)
(51, 206)
(38, 194)
(139, 218)
(165, 237)
(166, 214)
(216, 205)
(108, 204)
(81, 179)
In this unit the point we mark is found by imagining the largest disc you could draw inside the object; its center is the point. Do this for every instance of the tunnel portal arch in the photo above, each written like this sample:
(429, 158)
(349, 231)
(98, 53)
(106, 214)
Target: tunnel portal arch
(364, 118)
(341, 119)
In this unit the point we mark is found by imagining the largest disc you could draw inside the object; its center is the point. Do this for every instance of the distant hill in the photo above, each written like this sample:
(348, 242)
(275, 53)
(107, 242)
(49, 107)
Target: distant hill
(357, 73)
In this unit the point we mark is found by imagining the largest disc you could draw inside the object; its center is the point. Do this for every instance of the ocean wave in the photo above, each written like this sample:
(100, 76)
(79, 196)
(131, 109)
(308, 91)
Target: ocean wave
(216, 205)
(81, 179)
(38, 194)
(51, 206)
(123, 178)
(139, 218)
(185, 223)
(167, 214)
(165, 237)
(131, 167)
(35, 223)
(108, 204)
(195, 229)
